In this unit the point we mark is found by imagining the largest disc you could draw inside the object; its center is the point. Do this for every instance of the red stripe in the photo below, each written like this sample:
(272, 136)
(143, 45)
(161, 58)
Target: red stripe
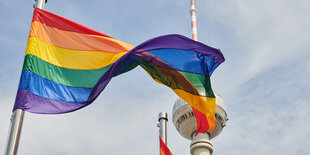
(195, 37)
(164, 150)
(202, 122)
(194, 24)
(193, 13)
(62, 23)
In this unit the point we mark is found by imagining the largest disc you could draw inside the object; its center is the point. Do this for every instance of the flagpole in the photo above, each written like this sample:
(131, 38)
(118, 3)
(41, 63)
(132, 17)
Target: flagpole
(18, 114)
(40, 4)
(162, 125)
(15, 130)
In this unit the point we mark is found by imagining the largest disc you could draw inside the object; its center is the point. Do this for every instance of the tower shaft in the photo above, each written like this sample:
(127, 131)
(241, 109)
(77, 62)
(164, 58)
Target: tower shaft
(201, 145)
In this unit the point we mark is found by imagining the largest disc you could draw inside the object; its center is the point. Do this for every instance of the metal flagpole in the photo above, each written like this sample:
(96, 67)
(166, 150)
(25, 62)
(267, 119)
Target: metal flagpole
(40, 4)
(15, 130)
(162, 124)
(18, 114)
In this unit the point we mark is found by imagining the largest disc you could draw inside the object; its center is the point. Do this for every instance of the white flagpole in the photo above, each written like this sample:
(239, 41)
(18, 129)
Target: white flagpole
(162, 125)
(18, 114)
(40, 4)
(15, 130)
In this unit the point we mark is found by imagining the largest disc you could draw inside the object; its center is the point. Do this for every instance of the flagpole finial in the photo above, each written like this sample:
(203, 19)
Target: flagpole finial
(43, 0)
(40, 4)
(162, 124)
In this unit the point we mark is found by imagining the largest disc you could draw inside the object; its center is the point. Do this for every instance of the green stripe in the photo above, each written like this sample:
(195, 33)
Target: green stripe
(202, 83)
(127, 66)
(180, 80)
(68, 77)
(169, 77)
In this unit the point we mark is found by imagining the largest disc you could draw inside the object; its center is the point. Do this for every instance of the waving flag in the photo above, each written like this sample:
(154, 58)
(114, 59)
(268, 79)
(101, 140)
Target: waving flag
(63, 62)
(180, 63)
(67, 65)
(164, 150)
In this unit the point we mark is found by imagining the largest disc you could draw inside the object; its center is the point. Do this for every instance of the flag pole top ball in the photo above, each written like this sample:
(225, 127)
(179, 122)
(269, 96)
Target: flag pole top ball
(185, 122)
(44, 0)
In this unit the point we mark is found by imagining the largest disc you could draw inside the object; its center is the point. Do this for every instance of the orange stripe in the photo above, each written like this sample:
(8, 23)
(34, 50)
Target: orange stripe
(53, 20)
(212, 123)
(206, 105)
(77, 41)
(164, 150)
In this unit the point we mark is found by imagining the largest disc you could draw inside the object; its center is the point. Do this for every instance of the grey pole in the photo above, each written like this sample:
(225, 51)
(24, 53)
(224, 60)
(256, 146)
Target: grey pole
(162, 124)
(18, 115)
(40, 4)
(14, 133)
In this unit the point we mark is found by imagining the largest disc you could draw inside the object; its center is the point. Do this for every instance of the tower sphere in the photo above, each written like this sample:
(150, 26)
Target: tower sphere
(185, 122)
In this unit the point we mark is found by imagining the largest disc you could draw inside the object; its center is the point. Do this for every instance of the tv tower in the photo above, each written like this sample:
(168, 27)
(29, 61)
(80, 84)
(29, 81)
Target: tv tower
(184, 119)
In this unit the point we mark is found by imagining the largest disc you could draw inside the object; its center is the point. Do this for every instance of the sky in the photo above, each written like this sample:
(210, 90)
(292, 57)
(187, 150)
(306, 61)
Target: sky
(264, 81)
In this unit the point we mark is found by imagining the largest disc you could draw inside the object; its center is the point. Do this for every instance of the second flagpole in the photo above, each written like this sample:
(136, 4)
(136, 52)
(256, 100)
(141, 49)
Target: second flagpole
(162, 125)
(18, 115)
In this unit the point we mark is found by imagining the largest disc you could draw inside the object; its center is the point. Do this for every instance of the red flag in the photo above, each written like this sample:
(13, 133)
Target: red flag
(164, 150)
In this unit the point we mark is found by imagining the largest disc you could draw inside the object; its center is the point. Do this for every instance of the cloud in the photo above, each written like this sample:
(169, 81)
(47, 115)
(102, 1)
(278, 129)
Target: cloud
(268, 113)
(254, 36)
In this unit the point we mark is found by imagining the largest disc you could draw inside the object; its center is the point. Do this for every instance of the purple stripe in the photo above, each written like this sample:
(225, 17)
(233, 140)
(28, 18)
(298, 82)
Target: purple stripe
(180, 42)
(32, 103)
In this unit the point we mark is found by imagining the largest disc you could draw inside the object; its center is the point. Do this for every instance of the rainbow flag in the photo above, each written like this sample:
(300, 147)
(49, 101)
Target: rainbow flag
(63, 62)
(183, 65)
(164, 150)
(67, 65)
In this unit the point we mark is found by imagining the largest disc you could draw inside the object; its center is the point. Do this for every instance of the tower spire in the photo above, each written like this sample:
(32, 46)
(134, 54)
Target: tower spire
(194, 22)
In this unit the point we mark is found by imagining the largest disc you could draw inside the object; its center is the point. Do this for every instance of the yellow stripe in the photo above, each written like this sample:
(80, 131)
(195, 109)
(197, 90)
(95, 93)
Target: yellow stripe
(72, 59)
(205, 105)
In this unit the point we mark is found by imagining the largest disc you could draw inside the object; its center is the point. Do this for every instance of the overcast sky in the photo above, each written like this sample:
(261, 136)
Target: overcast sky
(264, 80)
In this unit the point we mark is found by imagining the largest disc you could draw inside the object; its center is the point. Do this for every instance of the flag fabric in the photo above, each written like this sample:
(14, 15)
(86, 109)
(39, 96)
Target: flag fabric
(62, 64)
(180, 63)
(164, 150)
(67, 65)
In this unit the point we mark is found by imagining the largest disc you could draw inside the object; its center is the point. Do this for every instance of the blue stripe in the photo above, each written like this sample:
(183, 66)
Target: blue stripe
(186, 60)
(52, 90)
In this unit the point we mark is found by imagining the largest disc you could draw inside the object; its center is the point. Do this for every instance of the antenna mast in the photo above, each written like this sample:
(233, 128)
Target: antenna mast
(194, 22)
